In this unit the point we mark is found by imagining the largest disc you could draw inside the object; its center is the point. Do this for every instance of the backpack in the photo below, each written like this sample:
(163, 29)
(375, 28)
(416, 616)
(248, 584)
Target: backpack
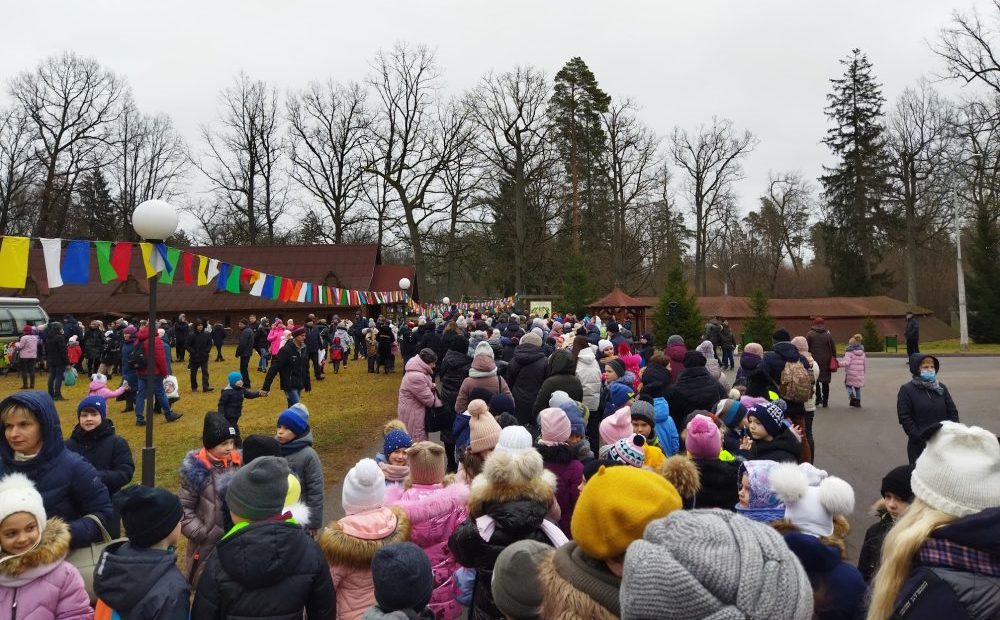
(796, 383)
(137, 357)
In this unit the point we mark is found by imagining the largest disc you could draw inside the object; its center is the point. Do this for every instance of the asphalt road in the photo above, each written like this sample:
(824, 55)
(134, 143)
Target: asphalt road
(861, 445)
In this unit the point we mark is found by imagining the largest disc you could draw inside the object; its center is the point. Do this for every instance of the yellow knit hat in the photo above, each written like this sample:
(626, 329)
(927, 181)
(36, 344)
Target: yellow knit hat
(615, 506)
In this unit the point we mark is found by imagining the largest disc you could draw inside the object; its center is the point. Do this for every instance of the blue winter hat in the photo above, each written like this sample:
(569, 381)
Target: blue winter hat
(295, 420)
(93, 402)
(620, 394)
(233, 378)
(395, 440)
(576, 425)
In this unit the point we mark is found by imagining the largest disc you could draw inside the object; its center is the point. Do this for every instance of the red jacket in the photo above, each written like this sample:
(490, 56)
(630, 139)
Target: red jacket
(159, 355)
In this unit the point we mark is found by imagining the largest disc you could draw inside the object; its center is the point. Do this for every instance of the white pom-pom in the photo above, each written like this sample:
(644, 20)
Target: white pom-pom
(15, 481)
(367, 473)
(837, 496)
(788, 482)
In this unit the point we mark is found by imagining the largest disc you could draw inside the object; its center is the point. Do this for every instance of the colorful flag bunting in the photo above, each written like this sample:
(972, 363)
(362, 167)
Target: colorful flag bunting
(121, 259)
(202, 270)
(260, 280)
(104, 268)
(187, 264)
(170, 270)
(52, 253)
(76, 263)
(14, 258)
(233, 280)
(220, 284)
(212, 271)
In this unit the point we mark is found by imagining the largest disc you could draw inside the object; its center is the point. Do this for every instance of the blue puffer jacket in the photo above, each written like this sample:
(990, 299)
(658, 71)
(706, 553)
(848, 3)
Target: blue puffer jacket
(70, 486)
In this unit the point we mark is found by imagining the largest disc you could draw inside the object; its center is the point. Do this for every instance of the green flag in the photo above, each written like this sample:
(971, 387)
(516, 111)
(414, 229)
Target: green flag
(107, 271)
(233, 281)
(167, 275)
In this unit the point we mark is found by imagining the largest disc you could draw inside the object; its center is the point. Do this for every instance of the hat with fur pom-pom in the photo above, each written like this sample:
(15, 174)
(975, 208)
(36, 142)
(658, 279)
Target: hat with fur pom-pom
(812, 499)
(18, 494)
(364, 488)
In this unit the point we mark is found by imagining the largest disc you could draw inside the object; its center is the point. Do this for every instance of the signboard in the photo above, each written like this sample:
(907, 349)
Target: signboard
(540, 309)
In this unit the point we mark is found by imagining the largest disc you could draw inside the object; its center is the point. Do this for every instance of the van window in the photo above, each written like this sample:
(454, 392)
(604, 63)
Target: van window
(27, 316)
(7, 327)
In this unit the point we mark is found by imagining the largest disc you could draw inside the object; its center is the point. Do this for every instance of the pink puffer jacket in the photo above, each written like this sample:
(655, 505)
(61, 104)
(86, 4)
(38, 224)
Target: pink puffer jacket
(435, 511)
(416, 394)
(101, 389)
(854, 365)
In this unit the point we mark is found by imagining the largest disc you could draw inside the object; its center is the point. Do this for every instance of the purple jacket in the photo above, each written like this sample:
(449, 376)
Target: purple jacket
(435, 511)
(853, 365)
(416, 394)
(561, 460)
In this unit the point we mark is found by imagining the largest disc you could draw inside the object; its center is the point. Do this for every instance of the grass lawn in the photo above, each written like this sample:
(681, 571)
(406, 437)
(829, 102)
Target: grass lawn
(347, 412)
(942, 346)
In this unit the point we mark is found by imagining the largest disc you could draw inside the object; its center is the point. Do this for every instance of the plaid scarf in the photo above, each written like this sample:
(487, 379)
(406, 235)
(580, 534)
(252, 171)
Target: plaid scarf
(928, 385)
(946, 554)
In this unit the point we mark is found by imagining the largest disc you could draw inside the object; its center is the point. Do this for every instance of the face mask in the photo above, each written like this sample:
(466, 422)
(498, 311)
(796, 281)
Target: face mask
(927, 375)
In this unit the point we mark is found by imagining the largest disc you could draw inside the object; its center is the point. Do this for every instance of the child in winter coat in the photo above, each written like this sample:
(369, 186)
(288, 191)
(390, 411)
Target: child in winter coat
(769, 438)
(337, 354)
(403, 583)
(897, 495)
(757, 500)
(73, 351)
(99, 387)
(146, 564)
(205, 475)
(435, 507)
(733, 415)
(718, 478)
(231, 401)
(94, 439)
(296, 442)
(394, 463)
(854, 365)
(484, 432)
(560, 459)
(35, 577)
(392, 425)
(350, 543)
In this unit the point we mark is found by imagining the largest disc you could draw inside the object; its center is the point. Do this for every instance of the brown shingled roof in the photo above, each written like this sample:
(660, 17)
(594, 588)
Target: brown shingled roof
(617, 299)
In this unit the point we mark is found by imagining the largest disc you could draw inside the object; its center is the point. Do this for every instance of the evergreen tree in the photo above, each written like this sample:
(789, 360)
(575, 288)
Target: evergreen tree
(97, 208)
(855, 187)
(677, 312)
(760, 326)
(870, 337)
(983, 279)
(577, 288)
(575, 113)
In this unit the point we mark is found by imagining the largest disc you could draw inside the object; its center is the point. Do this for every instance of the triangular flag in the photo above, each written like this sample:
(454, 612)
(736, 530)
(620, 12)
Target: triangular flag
(202, 270)
(105, 270)
(14, 262)
(52, 253)
(76, 263)
(121, 259)
(173, 258)
(224, 268)
(213, 270)
(187, 263)
(233, 281)
(257, 290)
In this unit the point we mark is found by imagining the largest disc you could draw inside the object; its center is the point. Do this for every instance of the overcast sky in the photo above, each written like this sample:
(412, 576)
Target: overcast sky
(764, 64)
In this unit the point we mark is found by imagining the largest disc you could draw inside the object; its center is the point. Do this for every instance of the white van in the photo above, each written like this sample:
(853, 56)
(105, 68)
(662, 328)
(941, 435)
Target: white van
(16, 312)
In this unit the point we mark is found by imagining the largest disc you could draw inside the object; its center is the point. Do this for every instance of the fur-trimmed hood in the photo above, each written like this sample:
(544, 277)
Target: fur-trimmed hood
(196, 473)
(17, 570)
(343, 549)
(681, 472)
(510, 476)
(575, 601)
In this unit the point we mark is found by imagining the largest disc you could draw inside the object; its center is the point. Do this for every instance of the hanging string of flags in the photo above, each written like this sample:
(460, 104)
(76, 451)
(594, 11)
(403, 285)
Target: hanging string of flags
(499, 304)
(114, 262)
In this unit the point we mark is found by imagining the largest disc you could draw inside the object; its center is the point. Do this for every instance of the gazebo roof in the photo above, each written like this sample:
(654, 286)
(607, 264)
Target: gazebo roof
(617, 299)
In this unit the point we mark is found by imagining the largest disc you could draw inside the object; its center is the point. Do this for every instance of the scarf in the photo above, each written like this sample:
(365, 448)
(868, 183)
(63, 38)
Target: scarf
(394, 473)
(934, 385)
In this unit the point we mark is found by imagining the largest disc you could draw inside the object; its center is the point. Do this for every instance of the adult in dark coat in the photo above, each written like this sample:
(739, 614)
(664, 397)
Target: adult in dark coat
(155, 383)
(244, 349)
(129, 374)
(199, 346)
(823, 349)
(182, 329)
(695, 389)
(560, 375)
(291, 365)
(218, 338)
(774, 363)
(655, 377)
(260, 343)
(525, 375)
(358, 333)
(70, 486)
(56, 358)
(718, 485)
(912, 334)
(93, 345)
(314, 342)
(385, 340)
(454, 370)
(922, 402)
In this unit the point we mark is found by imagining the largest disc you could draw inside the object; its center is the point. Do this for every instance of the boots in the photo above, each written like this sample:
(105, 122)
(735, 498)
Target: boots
(855, 402)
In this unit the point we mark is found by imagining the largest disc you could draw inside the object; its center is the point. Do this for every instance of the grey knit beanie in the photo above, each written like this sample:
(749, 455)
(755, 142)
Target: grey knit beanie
(258, 490)
(675, 339)
(713, 564)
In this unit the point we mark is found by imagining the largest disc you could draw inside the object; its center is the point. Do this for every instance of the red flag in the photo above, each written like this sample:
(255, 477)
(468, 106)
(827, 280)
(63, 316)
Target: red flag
(121, 259)
(187, 267)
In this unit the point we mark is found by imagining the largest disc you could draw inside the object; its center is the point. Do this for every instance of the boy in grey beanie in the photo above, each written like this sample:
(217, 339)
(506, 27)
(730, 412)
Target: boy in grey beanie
(713, 563)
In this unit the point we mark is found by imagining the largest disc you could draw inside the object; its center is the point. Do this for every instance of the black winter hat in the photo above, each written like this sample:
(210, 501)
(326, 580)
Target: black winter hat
(401, 573)
(428, 356)
(781, 335)
(694, 359)
(897, 482)
(149, 514)
(216, 430)
(618, 366)
(259, 445)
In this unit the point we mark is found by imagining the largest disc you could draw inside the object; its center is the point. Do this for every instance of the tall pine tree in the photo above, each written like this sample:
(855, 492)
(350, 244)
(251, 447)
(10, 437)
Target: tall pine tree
(677, 312)
(575, 113)
(577, 288)
(983, 279)
(853, 233)
(97, 207)
(760, 326)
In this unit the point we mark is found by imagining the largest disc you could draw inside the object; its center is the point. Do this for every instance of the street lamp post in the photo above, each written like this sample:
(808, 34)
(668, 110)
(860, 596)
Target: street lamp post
(963, 318)
(155, 221)
(725, 278)
(404, 283)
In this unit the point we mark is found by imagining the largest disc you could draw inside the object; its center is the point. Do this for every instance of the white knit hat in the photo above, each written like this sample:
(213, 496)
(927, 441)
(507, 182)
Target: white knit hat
(484, 348)
(959, 470)
(514, 439)
(811, 501)
(364, 488)
(18, 494)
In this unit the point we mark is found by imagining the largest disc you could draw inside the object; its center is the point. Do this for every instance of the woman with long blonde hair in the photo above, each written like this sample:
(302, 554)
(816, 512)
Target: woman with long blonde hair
(943, 555)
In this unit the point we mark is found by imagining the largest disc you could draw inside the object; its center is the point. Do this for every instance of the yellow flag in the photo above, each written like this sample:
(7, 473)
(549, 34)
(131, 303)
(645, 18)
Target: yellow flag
(202, 270)
(14, 262)
(146, 249)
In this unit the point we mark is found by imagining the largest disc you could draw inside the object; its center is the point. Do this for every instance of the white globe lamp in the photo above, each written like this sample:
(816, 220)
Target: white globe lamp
(155, 220)
(404, 283)
(446, 300)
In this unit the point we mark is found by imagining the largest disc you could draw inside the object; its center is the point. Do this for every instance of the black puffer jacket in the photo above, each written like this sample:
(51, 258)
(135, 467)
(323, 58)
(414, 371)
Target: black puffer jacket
(655, 381)
(453, 369)
(695, 389)
(199, 346)
(718, 485)
(237, 583)
(142, 583)
(292, 363)
(231, 401)
(918, 407)
(218, 334)
(244, 348)
(561, 376)
(107, 452)
(55, 349)
(525, 375)
(785, 448)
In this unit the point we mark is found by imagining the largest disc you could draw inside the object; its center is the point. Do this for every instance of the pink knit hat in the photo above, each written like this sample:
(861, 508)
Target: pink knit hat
(703, 440)
(616, 426)
(555, 426)
(483, 428)
(754, 348)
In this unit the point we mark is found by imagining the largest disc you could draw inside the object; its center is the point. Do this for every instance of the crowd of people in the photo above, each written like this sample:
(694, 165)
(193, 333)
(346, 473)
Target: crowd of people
(580, 472)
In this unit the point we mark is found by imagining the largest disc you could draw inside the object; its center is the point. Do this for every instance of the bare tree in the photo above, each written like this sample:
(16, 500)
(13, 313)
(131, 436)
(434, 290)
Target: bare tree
(71, 104)
(920, 142)
(147, 159)
(786, 209)
(711, 159)
(243, 160)
(18, 170)
(509, 110)
(330, 127)
(668, 237)
(967, 48)
(977, 160)
(415, 137)
(630, 165)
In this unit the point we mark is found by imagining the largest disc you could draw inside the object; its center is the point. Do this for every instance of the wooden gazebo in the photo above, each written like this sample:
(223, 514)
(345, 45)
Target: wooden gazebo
(621, 306)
